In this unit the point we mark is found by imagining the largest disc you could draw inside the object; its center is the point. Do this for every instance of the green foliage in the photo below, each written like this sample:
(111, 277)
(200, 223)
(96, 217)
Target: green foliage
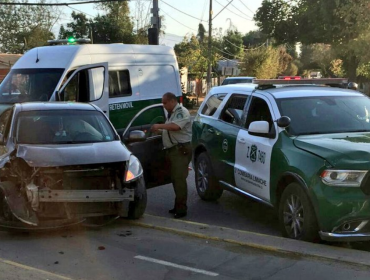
(254, 39)
(232, 44)
(317, 56)
(193, 55)
(78, 28)
(25, 27)
(262, 63)
(336, 67)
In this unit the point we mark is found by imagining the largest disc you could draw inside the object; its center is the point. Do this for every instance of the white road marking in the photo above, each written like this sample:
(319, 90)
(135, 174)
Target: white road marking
(201, 271)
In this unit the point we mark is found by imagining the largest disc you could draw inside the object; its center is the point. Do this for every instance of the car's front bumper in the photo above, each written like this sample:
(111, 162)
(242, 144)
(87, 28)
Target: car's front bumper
(344, 237)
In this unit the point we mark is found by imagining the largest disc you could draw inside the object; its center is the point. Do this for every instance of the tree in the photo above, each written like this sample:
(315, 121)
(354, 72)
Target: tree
(24, 27)
(232, 44)
(344, 24)
(254, 39)
(115, 26)
(78, 28)
(318, 56)
(262, 63)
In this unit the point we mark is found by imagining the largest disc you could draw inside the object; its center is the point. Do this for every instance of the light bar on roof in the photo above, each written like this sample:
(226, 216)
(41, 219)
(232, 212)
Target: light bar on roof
(70, 41)
(332, 81)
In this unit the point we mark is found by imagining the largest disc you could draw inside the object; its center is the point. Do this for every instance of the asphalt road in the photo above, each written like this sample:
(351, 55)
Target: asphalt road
(123, 251)
(230, 210)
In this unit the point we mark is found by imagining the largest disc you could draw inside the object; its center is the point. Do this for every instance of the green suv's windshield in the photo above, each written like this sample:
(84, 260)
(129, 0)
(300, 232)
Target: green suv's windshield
(23, 85)
(62, 127)
(321, 115)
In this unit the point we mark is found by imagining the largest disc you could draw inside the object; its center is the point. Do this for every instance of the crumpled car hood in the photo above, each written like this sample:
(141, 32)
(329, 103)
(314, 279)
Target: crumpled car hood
(76, 154)
(349, 149)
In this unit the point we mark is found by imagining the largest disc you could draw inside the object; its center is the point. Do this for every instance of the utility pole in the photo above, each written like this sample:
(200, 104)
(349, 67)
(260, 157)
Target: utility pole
(209, 71)
(153, 32)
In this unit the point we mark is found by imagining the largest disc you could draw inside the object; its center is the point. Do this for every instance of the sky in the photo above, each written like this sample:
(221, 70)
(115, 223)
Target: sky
(182, 17)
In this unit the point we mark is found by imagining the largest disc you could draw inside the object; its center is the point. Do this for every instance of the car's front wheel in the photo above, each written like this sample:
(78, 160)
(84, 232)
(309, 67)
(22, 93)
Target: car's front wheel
(205, 181)
(137, 207)
(297, 218)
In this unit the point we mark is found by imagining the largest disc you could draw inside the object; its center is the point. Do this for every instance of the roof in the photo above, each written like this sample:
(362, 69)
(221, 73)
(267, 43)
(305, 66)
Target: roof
(47, 106)
(8, 60)
(306, 91)
(288, 91)
(239, 78)
(63, 56)
(234, 87)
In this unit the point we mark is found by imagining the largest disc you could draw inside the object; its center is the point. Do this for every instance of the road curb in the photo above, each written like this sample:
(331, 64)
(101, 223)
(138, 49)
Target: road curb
(264, 242)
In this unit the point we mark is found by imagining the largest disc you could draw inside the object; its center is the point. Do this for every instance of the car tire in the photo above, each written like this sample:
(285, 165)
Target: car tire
(205, 181)
(5, 212)
(297, 217)
(137, 207)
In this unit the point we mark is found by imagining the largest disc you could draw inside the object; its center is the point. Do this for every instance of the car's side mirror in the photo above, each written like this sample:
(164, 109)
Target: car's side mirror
(260, 128)
(283, 122)
(136, 136)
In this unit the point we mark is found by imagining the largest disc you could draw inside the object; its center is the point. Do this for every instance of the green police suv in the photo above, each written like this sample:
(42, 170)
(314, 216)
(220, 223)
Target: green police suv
(303, 149)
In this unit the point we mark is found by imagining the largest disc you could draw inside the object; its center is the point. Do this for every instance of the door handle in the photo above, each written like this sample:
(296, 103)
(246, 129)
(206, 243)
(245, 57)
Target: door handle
(242, 140)
(211, 130)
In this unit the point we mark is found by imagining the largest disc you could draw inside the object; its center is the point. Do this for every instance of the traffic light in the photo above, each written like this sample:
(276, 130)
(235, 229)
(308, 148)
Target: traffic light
(153, 36)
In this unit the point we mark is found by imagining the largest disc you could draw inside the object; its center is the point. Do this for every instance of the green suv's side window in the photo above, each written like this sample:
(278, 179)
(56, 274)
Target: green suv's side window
(258, 111)
(233, 110)
(212, 104)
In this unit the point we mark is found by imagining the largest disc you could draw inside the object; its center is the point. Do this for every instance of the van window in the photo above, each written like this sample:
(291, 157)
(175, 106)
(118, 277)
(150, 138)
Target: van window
(119, 83)
(23, 85)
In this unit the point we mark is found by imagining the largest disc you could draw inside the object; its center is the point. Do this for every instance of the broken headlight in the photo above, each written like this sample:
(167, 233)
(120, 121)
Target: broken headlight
(133, 170)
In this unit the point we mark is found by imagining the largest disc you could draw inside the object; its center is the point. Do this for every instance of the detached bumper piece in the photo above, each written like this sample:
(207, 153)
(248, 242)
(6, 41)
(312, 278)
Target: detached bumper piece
(358, 230)
(85, 195)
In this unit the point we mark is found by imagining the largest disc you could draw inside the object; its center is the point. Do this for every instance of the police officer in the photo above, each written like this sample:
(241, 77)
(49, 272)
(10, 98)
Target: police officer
(176, 137)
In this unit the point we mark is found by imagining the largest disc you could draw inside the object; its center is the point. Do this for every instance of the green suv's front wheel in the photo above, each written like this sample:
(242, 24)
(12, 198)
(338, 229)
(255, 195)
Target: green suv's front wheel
(296, 215)
(205, 181)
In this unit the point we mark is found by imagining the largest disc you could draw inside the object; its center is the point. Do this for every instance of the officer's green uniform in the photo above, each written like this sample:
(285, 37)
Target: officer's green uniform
(179, 152)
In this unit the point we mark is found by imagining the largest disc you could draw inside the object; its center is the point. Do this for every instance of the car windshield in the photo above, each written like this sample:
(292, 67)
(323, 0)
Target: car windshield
(322, 115)
(62, 127)
(237, 81)
(22, 85)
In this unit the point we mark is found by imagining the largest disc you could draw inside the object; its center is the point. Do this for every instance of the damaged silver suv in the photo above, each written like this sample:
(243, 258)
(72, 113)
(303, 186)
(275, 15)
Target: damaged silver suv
(62, 163)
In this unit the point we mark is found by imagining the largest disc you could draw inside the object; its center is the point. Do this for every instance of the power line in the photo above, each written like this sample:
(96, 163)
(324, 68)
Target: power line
(233, 12)
(181, 11)
(80, 11)
(57, 4)
(233, 44)
(240, 10)
(178, 21)
(246, 6)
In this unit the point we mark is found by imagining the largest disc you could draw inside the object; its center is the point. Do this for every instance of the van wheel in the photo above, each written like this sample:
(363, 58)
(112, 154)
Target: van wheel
(296, 215)
(205, 182)
(137, 207)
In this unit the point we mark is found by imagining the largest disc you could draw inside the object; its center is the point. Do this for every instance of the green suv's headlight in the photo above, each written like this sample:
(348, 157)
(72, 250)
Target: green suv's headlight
(133, 170)
(343, 178)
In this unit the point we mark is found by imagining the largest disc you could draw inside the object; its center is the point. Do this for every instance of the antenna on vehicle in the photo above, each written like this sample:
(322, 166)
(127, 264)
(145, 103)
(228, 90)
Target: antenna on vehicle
(37, 55)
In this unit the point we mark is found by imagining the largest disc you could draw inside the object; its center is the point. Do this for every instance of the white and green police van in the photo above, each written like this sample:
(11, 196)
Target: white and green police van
(120, 79)
(303, 149)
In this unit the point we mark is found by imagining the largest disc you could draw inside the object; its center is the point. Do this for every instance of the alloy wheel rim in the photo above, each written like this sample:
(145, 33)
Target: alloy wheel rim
(293, 216)
(202, 176)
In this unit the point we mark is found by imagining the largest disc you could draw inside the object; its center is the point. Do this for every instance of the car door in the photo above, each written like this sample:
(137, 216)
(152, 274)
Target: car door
(226, 129)
(150, 152)
(253, 153)
(87, 84)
